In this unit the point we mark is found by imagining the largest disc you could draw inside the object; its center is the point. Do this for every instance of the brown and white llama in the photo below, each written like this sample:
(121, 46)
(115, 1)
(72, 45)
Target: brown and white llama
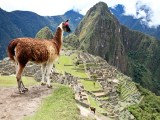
(44, 52)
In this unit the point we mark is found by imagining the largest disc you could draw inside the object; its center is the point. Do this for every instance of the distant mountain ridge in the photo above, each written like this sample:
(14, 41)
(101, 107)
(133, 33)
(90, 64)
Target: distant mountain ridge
(27, 24)
(133, 23)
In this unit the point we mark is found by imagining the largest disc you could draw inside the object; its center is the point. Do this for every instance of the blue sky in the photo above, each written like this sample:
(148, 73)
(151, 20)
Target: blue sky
(59, 7)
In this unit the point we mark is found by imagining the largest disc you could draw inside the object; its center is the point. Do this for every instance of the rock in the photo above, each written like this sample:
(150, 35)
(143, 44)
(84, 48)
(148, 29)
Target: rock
(38, 76)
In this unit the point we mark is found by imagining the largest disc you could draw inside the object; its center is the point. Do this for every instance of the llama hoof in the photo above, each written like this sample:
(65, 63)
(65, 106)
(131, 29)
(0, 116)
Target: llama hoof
(22, 92)
(49, 86)
(25, 89)
(43, 84)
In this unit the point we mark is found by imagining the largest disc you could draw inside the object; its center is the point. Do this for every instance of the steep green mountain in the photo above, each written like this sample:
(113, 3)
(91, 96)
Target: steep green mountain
(99, 34)
(27, 24)
(135, 23)
(148, 108)
(44, 33)
(132, 52)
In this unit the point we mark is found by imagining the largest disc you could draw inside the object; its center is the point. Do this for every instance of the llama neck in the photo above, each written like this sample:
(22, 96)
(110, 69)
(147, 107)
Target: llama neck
(58, 38)
(58, 35)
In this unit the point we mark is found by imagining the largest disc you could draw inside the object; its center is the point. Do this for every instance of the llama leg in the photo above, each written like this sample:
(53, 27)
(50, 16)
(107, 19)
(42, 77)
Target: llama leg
(43, 69)
(21, 87)
(48, 72)
(16, 65)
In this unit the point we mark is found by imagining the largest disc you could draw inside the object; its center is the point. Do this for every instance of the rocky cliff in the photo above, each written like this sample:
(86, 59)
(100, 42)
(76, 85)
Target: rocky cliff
(99, 34)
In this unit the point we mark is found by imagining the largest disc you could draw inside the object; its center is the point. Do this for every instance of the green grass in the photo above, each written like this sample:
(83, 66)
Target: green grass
(89, 85)
(103, 98)
(9, 81)
(68, 60)
(60, 105)
(96, 104)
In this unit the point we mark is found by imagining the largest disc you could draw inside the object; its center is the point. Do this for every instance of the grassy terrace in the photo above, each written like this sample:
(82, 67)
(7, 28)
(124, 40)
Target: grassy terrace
(60, 105)
(9, 81)
(127, 90)
(89, 85)
(68, 60)
(95, 104)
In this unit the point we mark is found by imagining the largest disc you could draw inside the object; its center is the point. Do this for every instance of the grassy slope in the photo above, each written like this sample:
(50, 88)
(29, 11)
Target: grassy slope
(148, 108)
(9, 81)
(63, 60)
(60, 105)
(69, 60)
(96, 104)
(89, 85)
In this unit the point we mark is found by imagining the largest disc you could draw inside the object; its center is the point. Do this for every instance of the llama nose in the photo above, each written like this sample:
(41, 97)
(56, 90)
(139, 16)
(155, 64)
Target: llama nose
(68, 30)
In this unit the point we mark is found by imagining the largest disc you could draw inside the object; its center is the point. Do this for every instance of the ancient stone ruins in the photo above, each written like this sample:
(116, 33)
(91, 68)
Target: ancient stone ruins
(117, 90)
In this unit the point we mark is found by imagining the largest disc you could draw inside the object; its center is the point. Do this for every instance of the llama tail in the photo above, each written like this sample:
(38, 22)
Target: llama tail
(11, 49)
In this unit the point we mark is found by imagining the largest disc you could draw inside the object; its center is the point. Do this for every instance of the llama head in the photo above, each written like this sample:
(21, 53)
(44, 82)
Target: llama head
(65, 26)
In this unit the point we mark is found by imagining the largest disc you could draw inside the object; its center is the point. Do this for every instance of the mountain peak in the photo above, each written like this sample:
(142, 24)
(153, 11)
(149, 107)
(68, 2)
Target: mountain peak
(97, 31)
(101, 4)
(96, 16)
(100, 8)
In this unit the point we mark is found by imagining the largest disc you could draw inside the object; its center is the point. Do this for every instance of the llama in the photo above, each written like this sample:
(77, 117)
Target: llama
(93, 109)
(44, 52)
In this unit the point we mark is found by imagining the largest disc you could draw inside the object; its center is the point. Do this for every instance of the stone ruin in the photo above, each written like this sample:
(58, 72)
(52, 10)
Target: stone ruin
(7, 67)
(106, 76)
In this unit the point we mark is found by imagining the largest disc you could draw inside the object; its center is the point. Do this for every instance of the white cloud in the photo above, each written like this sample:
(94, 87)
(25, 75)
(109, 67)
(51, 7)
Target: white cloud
(58, 7)
(131, 8)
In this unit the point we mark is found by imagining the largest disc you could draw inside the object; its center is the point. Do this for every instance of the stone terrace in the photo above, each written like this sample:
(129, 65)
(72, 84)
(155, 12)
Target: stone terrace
(111, 79)
(118, 91)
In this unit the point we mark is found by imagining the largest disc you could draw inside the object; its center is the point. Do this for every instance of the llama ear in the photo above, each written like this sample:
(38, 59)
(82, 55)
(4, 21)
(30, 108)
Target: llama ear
(67, 20)
(66, 23)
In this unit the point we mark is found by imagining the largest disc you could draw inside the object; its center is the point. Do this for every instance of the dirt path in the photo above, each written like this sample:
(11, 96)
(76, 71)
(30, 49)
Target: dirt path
(14, 106)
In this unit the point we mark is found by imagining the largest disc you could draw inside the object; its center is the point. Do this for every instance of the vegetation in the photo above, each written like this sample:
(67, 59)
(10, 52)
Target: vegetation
(66, 64)
(96, 104)
(60, 105)
(71, 41)
(89, 85)
(44, 33)
(148, 108)
(133, 52)
(11, 81)
(143, 64)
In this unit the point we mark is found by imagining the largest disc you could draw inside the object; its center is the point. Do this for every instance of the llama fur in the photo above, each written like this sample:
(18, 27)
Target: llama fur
(44, 52)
